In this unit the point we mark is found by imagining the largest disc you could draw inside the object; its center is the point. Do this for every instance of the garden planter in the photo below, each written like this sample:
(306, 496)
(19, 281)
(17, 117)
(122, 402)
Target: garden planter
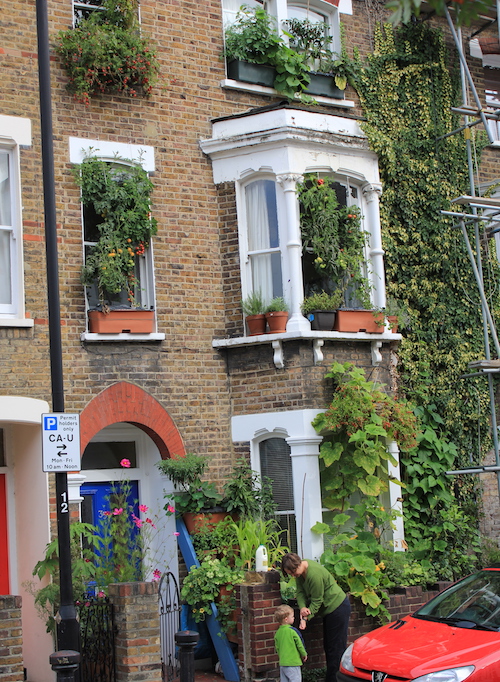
(358, 321)
(196, 520)
(122, 321)
(322, 320)
(323, 84)
(256, 324)
(277, 322)
(260, 74)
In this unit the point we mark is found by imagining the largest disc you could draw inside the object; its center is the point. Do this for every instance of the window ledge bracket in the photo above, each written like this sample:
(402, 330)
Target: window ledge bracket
(318, 339)
(90, 337)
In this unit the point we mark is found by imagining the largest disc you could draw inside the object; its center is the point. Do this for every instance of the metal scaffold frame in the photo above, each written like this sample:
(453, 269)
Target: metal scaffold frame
(485, 211)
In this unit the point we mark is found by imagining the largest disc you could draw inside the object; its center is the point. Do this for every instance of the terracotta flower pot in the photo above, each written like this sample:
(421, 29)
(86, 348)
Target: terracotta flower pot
(196, 520)
(256, 324)
(358, 321)
(276, 322)
(122, 321)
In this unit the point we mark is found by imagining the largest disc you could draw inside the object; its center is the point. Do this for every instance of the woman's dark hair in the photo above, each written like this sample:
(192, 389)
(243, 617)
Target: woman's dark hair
(290, 562)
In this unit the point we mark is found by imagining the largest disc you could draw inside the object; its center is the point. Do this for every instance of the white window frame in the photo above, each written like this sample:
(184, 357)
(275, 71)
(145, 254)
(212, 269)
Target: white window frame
(288, 144)
(15, 132)
(112, 152)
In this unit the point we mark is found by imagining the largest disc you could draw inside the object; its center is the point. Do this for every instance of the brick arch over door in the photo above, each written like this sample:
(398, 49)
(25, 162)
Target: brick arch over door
(124, 402)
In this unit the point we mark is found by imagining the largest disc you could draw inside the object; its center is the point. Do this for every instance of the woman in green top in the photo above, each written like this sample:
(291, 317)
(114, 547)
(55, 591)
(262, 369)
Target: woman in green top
(319, 594)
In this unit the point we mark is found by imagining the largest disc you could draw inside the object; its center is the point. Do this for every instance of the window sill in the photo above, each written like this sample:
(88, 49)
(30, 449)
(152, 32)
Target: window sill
(230, 84)
(16, 322)
(317, 337)
(90, 337)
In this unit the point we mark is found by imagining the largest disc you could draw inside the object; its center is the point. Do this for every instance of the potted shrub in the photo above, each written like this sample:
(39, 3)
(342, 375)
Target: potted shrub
(248, 495)
(256, 53)
(253, 307)
(197, 501)
(320, 309)
(106, 52)
(119, 197)
(333, 243)
(277, 315)
(327, 74)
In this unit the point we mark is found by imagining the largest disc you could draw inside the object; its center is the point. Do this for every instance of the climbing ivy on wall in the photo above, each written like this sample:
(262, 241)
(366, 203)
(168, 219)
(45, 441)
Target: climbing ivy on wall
(407, 88)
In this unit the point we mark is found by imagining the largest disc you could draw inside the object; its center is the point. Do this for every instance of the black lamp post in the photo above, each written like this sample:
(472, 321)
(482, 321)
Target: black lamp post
(68, 631)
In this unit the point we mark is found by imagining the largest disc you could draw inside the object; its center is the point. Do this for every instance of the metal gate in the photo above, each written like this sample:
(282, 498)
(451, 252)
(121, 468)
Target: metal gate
(97, 632)
(170, 609)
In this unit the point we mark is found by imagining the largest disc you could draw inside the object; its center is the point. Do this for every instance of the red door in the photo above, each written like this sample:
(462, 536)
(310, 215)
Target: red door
(4, 547)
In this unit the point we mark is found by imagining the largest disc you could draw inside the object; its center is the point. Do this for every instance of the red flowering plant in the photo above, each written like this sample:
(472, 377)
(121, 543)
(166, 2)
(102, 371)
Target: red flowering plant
(106, 52)
(333, 242)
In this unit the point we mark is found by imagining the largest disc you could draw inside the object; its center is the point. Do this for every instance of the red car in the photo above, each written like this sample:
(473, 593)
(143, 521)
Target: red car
(454, 637)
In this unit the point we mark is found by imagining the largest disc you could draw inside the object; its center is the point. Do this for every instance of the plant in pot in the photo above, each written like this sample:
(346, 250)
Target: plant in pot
(197, 501)
(212, 582)
(320, 309)
(253, 307)
(106, 52)
(333, 245)
(277, 315)
(327, 70)
(118, 223)
(256, 53)
(247, 494)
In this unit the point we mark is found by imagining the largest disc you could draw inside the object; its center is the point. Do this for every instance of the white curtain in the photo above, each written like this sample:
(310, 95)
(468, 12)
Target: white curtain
(5, 235)
(259, 239)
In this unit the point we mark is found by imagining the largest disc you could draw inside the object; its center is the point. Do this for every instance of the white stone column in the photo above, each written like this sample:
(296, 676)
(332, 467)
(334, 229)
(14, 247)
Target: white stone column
(75, 480)
(371, 193)
(395, 499)
(307, 494)
(296, 321)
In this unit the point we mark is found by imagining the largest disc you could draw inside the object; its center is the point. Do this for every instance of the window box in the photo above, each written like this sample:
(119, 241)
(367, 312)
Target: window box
(323, 84)
(259, 74)
(322, 320)
(359, 321)
(122, 321)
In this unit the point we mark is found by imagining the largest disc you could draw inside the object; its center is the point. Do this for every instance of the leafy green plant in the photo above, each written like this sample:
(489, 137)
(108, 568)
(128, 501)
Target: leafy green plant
(353, 559)
(250, 533)
(404, 569)
(193, 494)
(106, 52)
(247, 494)
(202, 587)
(312, 40)
(322, 301)
(216, 541)
(332, 238)
(121, 197)
(253, 304)
(254, 38)
(356, 427)
(278, 304)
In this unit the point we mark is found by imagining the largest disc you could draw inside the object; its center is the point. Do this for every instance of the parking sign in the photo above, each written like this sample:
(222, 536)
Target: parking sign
(61, 442)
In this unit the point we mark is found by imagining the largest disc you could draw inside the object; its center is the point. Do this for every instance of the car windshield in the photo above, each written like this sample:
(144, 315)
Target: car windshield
(472, 602)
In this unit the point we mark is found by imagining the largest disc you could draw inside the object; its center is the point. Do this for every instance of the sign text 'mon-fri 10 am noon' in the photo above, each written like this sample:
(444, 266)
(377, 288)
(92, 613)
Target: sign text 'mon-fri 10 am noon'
(61, 442)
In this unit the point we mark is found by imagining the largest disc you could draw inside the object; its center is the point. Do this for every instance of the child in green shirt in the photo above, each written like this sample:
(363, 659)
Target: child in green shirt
(289, 646)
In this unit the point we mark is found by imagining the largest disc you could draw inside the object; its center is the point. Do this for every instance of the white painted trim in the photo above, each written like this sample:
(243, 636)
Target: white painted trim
(15, 129)
(79, 148)
(20, 410)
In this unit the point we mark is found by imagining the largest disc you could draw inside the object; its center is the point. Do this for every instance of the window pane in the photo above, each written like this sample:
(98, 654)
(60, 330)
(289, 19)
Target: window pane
(5, 196)
(108, 455)
(5, 268)
(276, 464)
(295, 12)
(263, 235)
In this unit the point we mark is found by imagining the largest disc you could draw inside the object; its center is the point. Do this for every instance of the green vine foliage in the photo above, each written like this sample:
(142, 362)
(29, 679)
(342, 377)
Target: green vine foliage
(356, 427)
(121, 197)
(407, 88)
(106, 52)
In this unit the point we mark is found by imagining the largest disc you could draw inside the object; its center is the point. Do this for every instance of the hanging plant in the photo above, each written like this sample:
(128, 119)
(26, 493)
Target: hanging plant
(121, 197)
(332, 234)
(106, 53)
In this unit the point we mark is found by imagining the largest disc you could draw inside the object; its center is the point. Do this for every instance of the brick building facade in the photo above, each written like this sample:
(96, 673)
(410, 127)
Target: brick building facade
(196, 382)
